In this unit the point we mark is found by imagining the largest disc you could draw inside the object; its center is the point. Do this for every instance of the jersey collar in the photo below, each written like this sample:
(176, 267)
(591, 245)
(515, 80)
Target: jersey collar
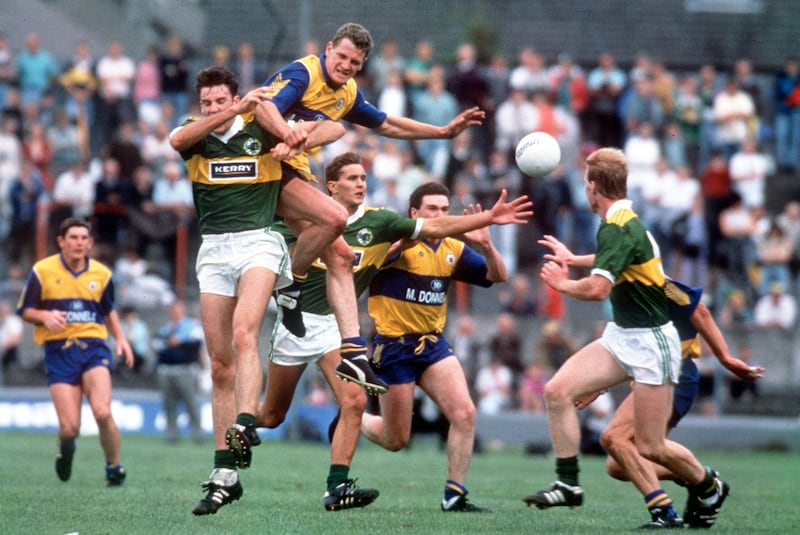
(358, 214)
(622, 204)
(236, 127)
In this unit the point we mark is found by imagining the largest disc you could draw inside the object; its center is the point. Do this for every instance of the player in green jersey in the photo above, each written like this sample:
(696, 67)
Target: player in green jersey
(641, 344)
(236, 175)
(370, 232)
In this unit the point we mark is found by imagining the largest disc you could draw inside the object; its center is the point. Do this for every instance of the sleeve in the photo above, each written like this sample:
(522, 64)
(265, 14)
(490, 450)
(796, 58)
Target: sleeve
(107, 299)
(287, 86)
(399, 227)
(471, 268)
(614, 252)
(364, 113)
(31, 295)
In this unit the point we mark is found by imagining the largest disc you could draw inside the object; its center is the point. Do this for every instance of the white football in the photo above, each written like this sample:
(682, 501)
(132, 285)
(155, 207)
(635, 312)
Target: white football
(537, 154)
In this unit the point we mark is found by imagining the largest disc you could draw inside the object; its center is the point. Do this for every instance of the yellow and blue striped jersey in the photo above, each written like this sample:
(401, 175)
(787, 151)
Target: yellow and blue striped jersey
(87, 296)
(682, 300)
(409, 293)
(302, 91)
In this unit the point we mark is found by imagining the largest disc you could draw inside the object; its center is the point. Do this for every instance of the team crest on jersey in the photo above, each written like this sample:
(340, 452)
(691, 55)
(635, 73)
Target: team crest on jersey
(339, 104)
(93, 285)
(364, 236)
(252, 146)
(437, 285)
(450, 258)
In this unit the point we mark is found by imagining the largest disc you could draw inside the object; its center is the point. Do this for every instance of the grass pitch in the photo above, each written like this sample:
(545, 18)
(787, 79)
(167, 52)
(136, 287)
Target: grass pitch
(284, 488)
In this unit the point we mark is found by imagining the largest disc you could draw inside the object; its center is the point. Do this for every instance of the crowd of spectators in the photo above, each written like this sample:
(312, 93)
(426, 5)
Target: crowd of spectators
(87, 135)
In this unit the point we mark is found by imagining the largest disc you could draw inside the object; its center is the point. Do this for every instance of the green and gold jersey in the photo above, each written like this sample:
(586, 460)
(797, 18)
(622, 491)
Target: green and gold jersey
(369, 232)
(235, 181)
(628, 256)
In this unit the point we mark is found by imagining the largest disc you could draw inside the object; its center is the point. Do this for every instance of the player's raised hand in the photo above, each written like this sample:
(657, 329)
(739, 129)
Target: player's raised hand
(743, 370)
(515, 211)
(479, 236)
(554, 274)
(471, 117)
(250, 100)
(560, 252)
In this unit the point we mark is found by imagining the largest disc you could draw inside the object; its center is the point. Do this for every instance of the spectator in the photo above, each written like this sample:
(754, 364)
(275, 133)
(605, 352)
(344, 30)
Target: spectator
(531, 389)
(10, 162)
(516, 117)
(112, 195)
(641, 105)
(26, 192)
(736, 317)
(553, 347)
(494, 385)
(594, 420)
(126, 149)
(749, 169)
(467, 82)
(497, 75)
(174, 75)
(530, 74)
(568, 88)
(707, 88)
(248, 69)
(733, 111)
(436, 106)
(155, 148)
(147, 87)
(786, 105)
(418, 70)
(11, 332)
(11, 287)
(178, 345)
(663, 85)
(115, 74)
(392, 98)
(65, 141)
(387, 59)
(80, 83)
(687, 112)
(505, 345)
(606, 82)
(692, 240)
(139, 337)
(128, 268)
(174, 204)
(715, 185)
(777, 310)
(707, 367)
(518, 298)
(73, 193)
(737, 225)
(643, 152)
(36, 70)
(319, 395)
(774, 251)
(8, 68)
(469, 347)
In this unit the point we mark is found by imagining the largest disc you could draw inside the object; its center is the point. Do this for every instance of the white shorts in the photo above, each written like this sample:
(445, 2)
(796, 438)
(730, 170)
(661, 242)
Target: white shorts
(322, 337)
(649, 355)
(223, 258)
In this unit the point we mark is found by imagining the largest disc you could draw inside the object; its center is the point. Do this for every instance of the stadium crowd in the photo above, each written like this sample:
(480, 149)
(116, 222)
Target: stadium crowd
(87, 135)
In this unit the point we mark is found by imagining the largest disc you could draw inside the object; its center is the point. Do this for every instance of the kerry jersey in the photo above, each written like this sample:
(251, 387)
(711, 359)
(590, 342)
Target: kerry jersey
(369, 233)
(302, 91)
(87, 296)
(235, 181)
(409, 294)
(629, 257)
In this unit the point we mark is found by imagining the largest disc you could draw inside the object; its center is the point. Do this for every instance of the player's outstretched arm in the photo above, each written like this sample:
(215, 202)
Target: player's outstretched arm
(703, 321)
(406, 128)
(502, 213)
(270, 118)
(319, 133)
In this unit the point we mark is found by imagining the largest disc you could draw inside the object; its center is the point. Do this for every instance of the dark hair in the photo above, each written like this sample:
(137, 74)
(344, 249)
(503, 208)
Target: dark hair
(335, 166)
(357, 34)
(428, 188)
(70, 222)
(217, 75)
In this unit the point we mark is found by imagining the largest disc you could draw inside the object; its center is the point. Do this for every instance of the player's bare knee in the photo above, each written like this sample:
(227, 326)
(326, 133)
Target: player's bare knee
(464, 417)
(103, 416)
(353, 402)
(395, 443)
(651, 452)
(222, 373)
(555, 396)
(69, 431)
(272, 418)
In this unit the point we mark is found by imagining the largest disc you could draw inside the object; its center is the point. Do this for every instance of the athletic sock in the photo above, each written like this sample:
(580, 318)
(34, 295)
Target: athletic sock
(337, 475)
(354, 348)
(299, 279)
(660, 500)
(453, 489)
(66, 446)
(567, 470)
(246, 419)
(224, 459)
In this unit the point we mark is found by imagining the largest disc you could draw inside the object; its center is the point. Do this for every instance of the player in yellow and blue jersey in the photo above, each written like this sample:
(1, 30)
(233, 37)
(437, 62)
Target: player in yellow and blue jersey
(371, 233)
(641, 343)
(408, 301)
(314, 88)
(69, 298)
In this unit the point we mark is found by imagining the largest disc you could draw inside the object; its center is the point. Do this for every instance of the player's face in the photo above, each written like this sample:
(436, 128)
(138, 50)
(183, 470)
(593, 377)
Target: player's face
(351, 188)
(75, 244)
(216, 99)
(343, 61)
(432, 206)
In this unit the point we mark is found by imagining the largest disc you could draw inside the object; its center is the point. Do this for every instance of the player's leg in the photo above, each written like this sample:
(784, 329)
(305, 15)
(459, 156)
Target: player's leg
(316, 220)
(446, 385)
(282, 382)
(223, 486)
(625, 463)
(706, 491)
(392, 428)
(591, 369)
(96, 384)
(254, 291)
(342, 492)
(67, 402)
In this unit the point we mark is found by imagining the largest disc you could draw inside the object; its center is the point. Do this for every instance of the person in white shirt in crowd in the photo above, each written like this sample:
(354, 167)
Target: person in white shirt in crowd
(749, 169)
(733, 109)
(494, 384)
(531, 73)
(776, 310)
(515, 117)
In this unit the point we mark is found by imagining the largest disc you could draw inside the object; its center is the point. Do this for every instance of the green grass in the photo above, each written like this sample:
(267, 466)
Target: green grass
(283, 492)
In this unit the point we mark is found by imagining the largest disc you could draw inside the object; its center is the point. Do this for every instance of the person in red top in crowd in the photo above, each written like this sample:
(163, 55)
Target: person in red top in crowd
(715, 185)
